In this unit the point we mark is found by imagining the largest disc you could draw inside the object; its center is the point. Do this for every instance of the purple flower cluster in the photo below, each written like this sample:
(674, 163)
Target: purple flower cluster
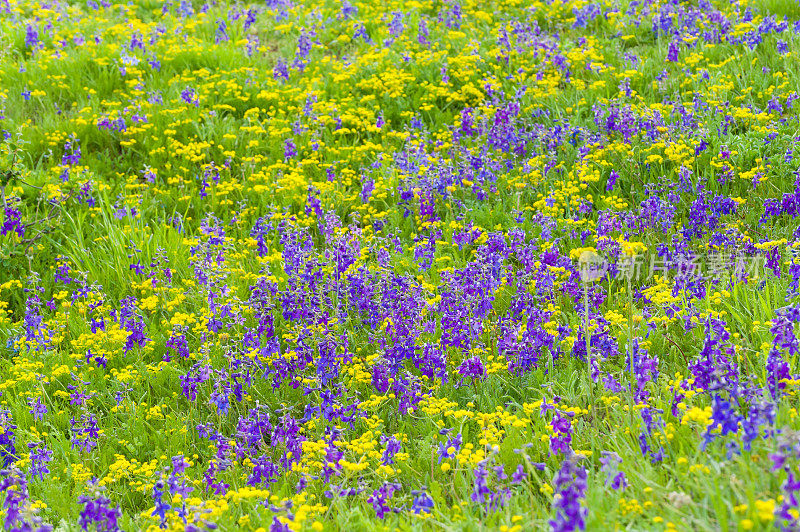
(12, 222)
(19, 516)
(98, 514)
(570, 484)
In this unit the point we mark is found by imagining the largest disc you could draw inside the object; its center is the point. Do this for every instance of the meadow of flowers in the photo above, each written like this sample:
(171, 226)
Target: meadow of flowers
(424, 264)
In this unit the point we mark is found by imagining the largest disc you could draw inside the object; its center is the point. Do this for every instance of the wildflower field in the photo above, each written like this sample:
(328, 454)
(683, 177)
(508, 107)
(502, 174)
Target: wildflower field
(416, 265)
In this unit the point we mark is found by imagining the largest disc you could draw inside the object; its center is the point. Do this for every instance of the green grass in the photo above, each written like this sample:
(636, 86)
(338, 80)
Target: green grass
(713, 94)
